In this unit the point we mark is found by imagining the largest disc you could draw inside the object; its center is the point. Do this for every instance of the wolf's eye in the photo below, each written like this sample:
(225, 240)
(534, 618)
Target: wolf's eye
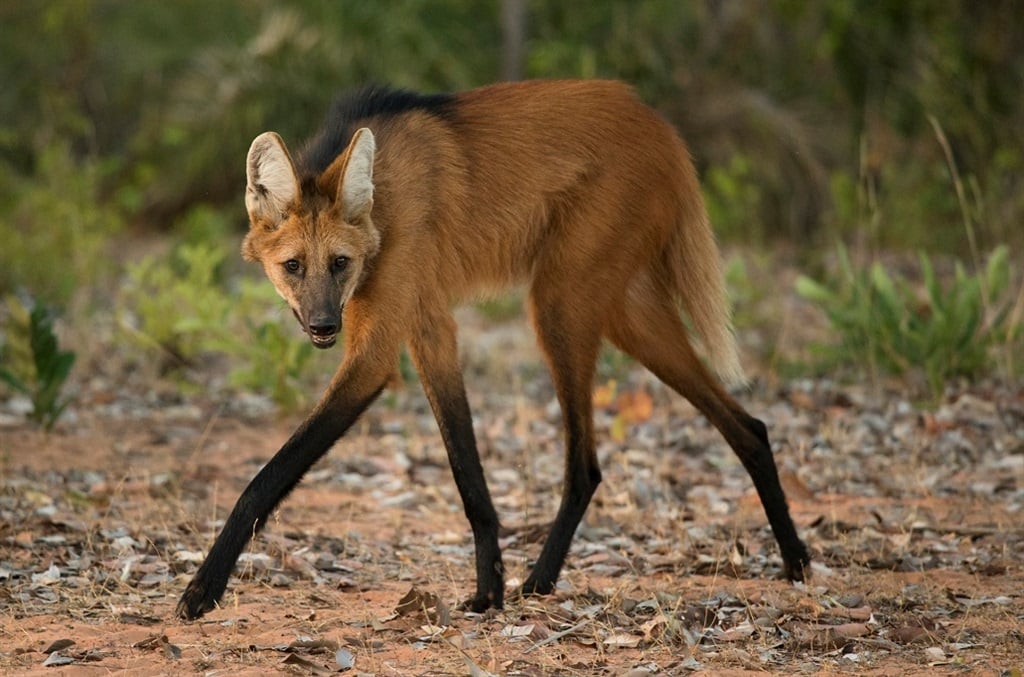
(291, 265)
(341, 263)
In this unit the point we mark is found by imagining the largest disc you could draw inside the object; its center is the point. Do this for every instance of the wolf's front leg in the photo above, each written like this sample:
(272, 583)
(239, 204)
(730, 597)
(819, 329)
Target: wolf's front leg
(353, 389)
(434, 351)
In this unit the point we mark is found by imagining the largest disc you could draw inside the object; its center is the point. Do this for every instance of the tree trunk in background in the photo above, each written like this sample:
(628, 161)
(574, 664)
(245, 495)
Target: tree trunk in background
(513, 31)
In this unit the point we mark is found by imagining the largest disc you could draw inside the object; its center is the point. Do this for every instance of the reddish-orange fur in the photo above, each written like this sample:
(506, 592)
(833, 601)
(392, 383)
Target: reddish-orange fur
(576, 190)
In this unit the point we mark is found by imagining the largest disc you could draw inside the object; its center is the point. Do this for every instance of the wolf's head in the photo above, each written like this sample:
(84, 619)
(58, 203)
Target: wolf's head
(314, 237)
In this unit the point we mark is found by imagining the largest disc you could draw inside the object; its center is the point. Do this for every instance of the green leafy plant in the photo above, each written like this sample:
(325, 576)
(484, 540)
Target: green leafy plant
(182, 306)
(33, 362)
(894, 326)
(179, 303)
(273, 361)
(269, 355)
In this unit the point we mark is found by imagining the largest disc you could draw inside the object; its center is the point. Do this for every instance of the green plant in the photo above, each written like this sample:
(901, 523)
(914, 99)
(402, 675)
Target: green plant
(269, 355)
(894, 326)
(180, 304)
(33, 362)
(273, 361)
(613, 364)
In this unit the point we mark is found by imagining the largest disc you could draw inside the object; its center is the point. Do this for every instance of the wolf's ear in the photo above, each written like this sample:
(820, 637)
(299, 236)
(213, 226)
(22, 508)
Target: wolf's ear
(356, 188)
(272, 182)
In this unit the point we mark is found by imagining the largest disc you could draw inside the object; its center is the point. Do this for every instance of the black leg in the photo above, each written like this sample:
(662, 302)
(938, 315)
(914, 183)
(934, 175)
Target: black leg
(570, 346)
(435, 354)
(756, 456)
(311, 441)
(656, 337)
(582, 476)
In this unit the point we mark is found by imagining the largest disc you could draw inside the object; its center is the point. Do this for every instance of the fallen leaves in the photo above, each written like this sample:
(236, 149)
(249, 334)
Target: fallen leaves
(911, 515)
(416, 600)
(159, 643)
(626, 407)
(306, 654)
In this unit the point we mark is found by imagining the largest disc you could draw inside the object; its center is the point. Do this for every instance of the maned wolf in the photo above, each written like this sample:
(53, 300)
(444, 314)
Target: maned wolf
(404, 205)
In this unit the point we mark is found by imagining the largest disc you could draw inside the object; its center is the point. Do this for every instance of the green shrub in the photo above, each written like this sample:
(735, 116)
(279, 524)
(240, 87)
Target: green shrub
(894, 326)
(33, 362)
(269, 355)
(272, 361)
(183, 307)
(179, 303)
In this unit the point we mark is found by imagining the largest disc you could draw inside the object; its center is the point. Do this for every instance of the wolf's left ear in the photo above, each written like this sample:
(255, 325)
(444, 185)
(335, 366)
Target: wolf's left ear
(272, 184)
(356, 188)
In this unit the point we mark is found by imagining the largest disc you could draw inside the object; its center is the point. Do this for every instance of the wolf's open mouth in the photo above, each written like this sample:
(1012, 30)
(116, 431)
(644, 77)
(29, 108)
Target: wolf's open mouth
(323, 341)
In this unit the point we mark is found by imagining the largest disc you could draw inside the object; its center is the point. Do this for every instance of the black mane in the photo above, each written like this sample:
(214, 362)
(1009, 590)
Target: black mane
(353, 106)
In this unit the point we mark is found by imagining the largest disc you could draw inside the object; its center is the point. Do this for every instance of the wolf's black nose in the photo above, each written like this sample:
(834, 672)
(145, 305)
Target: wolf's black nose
(323, 329)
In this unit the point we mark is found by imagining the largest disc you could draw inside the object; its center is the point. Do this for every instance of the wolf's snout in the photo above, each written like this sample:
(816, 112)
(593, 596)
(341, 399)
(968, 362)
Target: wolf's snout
(323, 329)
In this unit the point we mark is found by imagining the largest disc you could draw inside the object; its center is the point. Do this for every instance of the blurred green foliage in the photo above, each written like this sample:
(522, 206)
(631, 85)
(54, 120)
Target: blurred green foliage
(810, 122)
(734, 199)
(775, 98)
(56, 235)
(273, 357)
(183, 309)
(502, 307)
(178, 301)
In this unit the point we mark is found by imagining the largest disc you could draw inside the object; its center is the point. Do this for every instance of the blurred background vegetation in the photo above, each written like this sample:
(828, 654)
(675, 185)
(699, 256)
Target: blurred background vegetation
(890, 126)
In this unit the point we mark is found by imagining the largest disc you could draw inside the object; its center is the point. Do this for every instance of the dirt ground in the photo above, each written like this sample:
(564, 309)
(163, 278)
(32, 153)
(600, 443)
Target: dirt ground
(913, 514)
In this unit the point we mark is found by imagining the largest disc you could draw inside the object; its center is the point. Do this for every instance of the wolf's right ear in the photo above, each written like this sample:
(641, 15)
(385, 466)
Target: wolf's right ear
(356, 189)
(272, 184)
